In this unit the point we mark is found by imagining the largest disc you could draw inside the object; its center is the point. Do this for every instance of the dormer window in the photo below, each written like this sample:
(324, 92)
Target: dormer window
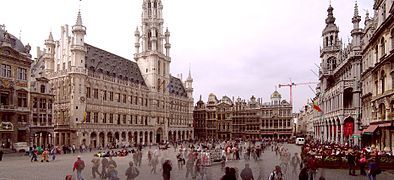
(42, 89)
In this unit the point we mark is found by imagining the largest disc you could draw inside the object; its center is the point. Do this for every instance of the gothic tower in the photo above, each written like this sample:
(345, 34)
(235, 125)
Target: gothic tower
(153, 62)
(77, 72)
(357, 31)
(329, 54)
(189, 85)
(49, 56)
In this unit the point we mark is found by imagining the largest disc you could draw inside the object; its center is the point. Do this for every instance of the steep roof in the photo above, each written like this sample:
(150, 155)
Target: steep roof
(105, 62)
(175, 87)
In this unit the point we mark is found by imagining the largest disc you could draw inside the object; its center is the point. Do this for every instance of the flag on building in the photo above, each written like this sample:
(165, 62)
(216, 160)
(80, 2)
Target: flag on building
(315, 106)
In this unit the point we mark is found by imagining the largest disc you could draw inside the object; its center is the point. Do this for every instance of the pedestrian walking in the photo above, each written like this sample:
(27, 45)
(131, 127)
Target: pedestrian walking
(79, 165)
(295, 162)
(149, 157)
(276, 174)
(247, 173)
(45, 156)
(363, 163)
(167, 167)
(189, 166)
(34, 155)
(104, 166)
(112, 173)
(53, 153)
(373, 169)
(95, 167)
(139, 157)
(351, 160)
(111, 161)
(312, 165)
(132, 172)
(155, 161)
(303, 174)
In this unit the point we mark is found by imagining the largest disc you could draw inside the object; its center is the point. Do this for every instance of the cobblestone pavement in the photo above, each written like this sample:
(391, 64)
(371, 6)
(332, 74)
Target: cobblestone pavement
(20, 168)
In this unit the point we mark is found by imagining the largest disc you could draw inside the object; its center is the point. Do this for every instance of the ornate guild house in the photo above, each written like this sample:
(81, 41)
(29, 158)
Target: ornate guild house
(103, 99)
(228, 119)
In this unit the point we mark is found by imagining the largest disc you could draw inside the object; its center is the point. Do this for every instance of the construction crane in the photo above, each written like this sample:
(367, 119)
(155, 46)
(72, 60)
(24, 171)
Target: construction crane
(294, 84)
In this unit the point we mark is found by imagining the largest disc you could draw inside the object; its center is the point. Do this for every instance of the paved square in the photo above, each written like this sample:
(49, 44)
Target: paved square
(20, 168)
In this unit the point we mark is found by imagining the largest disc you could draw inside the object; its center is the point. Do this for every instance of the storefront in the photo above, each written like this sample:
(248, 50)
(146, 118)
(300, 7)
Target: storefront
(380, 135)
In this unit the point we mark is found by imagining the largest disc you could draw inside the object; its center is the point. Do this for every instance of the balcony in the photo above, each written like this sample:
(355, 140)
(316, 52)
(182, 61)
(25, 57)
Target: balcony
(13, 108)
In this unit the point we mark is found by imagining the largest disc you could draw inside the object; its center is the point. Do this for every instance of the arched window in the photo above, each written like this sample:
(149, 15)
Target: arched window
(331, 40)
(383, 80)
(326, 41)
(149, 40)
(382, 111)
(382, 46)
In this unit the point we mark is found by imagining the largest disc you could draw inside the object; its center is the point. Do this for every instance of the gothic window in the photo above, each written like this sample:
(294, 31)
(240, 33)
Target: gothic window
(124, 98)
(118, 96)
(42, 88)
(383, 81)
(95, 93)
(382, 46)
(376, 53)
(331, 40)
(87, 92)
(382, 111)
(149, 40)
(158, 67)
(105, 118)
(111, 118)
(87, 117)
(149, 8)
(95, 117)
(104, 95)
(111, 96)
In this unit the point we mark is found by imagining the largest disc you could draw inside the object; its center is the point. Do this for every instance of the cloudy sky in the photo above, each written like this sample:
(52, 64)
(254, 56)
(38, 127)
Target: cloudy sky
(235, 48)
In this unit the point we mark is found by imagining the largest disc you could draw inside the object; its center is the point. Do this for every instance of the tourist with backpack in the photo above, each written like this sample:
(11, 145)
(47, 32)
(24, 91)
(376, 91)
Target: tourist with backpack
(79, 165)
(276, 174)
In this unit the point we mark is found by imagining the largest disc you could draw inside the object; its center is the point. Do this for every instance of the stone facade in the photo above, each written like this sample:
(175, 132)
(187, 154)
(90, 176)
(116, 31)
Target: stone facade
(227, 119)
(103, 99)
(377, 77)
(340, 88)
(41, 104)
(15, 61)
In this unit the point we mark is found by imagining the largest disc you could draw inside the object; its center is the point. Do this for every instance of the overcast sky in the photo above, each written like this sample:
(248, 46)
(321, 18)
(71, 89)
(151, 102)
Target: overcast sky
(235, 48)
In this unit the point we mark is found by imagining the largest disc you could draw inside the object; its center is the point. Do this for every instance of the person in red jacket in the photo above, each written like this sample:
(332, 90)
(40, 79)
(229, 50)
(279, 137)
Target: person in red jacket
(79, 165)
(312, 166)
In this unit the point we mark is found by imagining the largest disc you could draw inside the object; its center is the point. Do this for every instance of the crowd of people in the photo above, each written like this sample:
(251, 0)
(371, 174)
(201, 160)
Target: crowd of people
(365, 159)
(197, 156)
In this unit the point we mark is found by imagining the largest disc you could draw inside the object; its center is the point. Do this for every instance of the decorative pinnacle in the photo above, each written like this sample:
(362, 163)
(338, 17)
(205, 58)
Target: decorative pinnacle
(356, 10)
(189, 78)
(50, 36)
(79, 19)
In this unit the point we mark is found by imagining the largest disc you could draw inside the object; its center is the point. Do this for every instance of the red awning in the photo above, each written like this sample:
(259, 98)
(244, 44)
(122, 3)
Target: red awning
(371, 128)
